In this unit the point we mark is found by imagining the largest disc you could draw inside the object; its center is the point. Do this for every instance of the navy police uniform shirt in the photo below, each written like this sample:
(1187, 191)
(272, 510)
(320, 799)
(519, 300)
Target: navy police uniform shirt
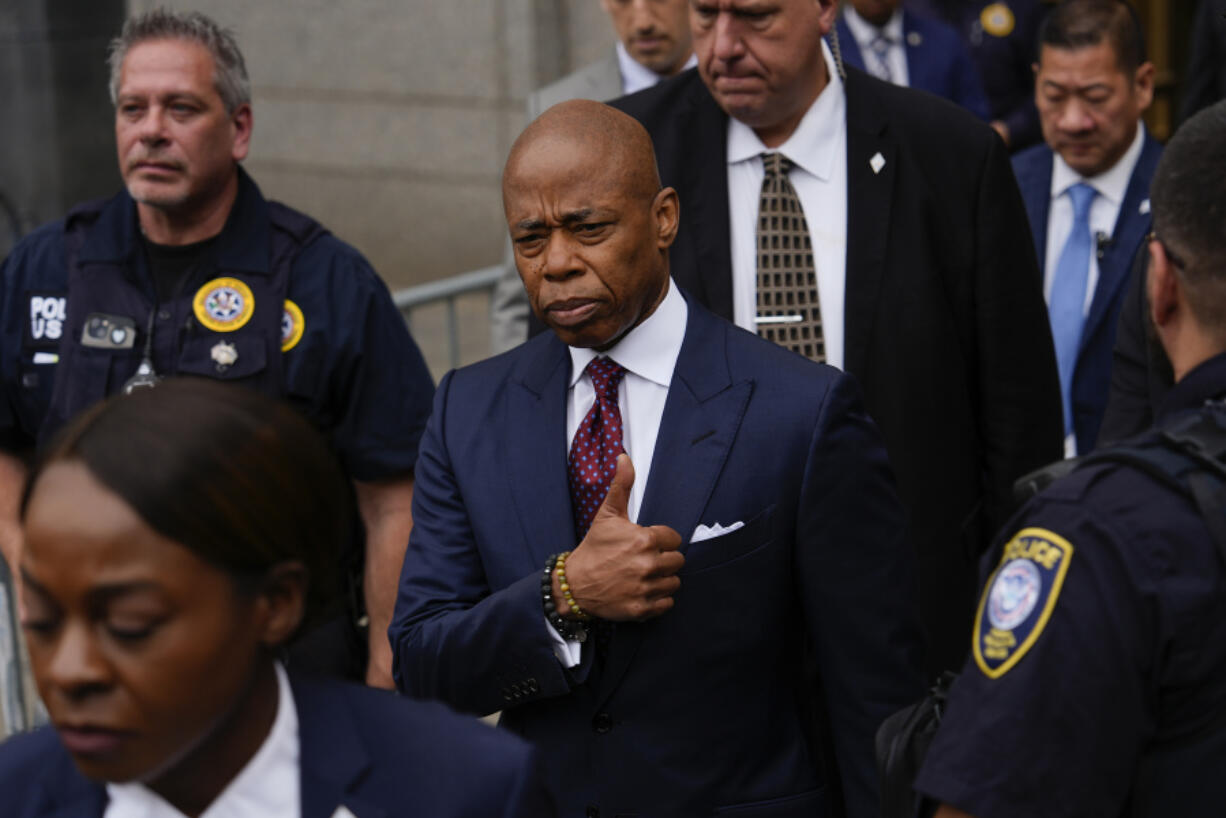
(1099, 654)
(345, 356)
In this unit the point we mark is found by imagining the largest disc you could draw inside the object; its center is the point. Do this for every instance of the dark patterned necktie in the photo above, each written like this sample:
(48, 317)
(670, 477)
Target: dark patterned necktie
(788, 310)
(597, 443)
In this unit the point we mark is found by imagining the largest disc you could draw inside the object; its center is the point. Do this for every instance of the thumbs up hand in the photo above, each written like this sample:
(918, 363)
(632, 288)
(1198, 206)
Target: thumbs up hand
(621, 570)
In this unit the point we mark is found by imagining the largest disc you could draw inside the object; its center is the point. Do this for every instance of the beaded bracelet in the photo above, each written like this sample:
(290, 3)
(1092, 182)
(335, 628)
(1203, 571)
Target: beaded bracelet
(566, 628)
(560, 569)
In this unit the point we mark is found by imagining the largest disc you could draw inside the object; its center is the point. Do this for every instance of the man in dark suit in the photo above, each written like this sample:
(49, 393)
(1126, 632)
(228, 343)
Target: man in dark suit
(925, 271)
(658, 661)
(1091, 86)
(905, 48)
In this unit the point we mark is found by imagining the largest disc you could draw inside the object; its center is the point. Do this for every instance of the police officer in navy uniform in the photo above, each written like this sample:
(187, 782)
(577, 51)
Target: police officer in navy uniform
(190, 271)
(1097, 684)
(1002, 37)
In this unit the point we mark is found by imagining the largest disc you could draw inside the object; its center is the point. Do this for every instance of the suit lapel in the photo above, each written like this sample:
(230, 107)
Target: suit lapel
(1130, 228)
(704, 213)
(701, 417)
(333, 757)
(921, 66)
(536, 447)
(848, 45)
(869, 196)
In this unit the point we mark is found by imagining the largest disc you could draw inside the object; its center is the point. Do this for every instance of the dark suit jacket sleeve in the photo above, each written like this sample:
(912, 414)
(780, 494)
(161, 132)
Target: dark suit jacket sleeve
(1019, 389)
(857, 575)
(453, 637)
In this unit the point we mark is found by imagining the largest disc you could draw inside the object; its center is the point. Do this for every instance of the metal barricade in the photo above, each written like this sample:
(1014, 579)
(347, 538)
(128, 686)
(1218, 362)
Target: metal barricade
(447, 290)
(19, 706)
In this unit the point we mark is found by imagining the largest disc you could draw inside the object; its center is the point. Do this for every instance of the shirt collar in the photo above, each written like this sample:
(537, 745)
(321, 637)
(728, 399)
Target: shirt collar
(1203, 382)
(1111, 184)
(278, 755)
(649, 350)
(636, 76)
(813, 146)
(865, 32)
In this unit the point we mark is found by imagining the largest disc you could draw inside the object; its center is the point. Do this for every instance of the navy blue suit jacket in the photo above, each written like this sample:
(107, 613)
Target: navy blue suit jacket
(379, 756)
(1092, 376)
(704, 707)
(937, 61)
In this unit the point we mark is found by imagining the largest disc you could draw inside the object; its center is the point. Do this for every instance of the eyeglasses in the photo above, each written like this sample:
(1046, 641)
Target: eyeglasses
(1175, 259)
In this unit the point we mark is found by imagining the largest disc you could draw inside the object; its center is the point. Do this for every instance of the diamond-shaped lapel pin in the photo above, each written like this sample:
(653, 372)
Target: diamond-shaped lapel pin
(1144, 208)
(877, 162)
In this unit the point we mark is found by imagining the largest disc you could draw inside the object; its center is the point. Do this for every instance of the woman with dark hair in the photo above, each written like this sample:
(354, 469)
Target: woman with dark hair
(175, 540)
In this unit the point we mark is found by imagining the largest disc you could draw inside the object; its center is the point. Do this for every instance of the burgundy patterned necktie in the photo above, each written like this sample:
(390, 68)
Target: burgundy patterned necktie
(597, 443)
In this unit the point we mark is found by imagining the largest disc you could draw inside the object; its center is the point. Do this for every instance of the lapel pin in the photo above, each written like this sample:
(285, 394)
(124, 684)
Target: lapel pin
(1144, 208)
(877, 162)
(914, 38)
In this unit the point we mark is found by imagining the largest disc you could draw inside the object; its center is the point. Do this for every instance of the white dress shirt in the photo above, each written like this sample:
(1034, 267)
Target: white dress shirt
(896, 55)
(1111, 186)
(636, 76)
(649, 354)
(818, 149)
(267, 787)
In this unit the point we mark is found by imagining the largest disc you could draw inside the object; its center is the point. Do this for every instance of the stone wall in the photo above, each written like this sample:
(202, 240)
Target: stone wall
(389, 120)
(56, 133)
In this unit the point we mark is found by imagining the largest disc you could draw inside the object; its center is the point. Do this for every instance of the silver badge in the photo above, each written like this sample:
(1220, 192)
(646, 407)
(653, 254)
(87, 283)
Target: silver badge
(224, 353)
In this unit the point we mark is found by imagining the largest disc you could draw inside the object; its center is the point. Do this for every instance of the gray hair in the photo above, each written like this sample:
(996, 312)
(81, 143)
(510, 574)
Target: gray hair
(230, 72)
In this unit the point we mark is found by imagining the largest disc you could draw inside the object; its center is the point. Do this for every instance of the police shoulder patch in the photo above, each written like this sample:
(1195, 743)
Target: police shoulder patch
(997, 19)
(224, 304)
(1019, 599)
(292, 326)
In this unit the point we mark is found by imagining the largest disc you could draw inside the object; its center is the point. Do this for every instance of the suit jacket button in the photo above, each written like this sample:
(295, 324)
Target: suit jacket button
(593, 811)
(603, 723)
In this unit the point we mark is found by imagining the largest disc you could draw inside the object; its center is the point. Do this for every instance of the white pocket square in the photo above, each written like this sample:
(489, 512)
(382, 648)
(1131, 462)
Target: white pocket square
(343, 812)
(705, 532)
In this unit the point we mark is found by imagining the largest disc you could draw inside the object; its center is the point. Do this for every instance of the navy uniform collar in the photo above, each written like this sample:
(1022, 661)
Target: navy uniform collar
(1206, 381)
(115, 238)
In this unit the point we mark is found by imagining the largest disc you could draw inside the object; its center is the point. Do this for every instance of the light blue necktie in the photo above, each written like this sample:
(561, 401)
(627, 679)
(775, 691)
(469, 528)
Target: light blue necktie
(880, 46)
(1068, 294)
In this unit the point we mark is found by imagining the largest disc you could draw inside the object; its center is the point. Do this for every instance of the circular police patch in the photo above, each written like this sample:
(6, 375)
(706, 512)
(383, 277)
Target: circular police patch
(292, 326)
(997, 20)
(1019, 598)
(1014, 594)
(224, 304)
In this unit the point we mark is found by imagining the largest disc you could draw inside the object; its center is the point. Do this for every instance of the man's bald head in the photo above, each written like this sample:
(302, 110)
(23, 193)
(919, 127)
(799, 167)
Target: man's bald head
(590, 223)
(615, 144)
